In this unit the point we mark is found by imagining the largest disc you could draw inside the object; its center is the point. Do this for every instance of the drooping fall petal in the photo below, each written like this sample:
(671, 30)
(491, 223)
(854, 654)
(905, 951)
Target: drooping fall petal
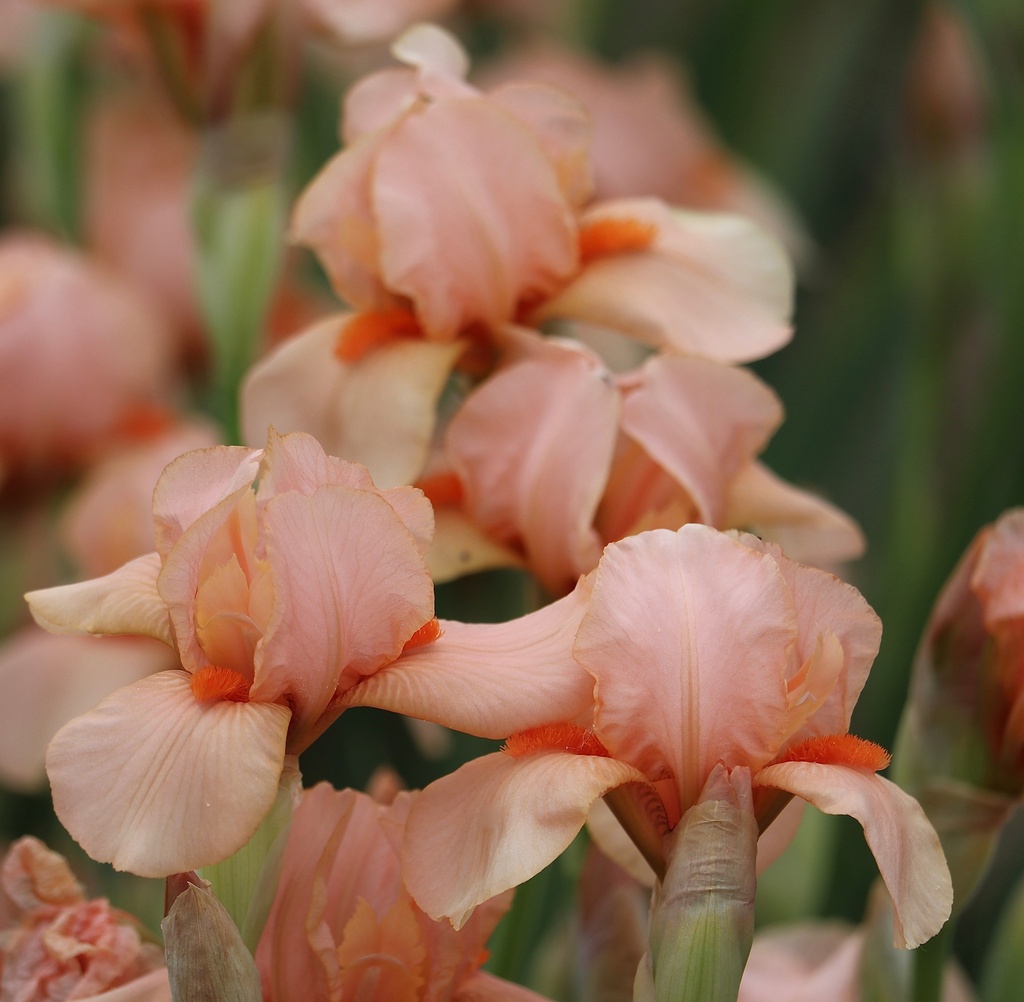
(707, 285)
(378, 411)
(903, 842)
(490, 680)
(124, 601)
(511, 817)
(156, 782)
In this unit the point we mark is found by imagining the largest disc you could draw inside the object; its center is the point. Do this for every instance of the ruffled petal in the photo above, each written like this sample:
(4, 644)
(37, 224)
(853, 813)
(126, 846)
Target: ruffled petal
(48, 680)
(701, 422)
(903, 842)
(679, 624)
(351, 587)
(533, 447)
(463, 246)
(157, 783)
(490, 679)
(124, 601)
(379, 411)
(196, 482)
(509, 816)
(708, 285)
(808, 528)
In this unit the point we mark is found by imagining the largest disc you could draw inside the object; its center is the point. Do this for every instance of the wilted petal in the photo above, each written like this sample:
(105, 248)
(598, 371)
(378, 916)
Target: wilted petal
(490, 679)
(509, 816)
(351, 587)
(157, 783)
(701, 422)
(124, 601)
(462, 246)
(48, 680)
(808, 528)
(708, 618)
(903, 842)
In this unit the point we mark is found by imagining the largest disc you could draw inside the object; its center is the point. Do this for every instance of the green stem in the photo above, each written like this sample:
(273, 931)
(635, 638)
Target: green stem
(930, 966)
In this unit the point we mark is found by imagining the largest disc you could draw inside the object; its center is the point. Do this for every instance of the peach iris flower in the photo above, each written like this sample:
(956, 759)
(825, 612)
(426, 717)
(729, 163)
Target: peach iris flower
(343, 925)
(282, 578)
(57, 944)
(703, 649)
(554, 458)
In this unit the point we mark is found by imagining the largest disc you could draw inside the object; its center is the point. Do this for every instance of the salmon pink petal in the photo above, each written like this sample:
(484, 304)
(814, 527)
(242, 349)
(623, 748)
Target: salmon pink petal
(462, 547)
(707, 285)
(462, 246)
(433, 50)
(48, 680)
(351, 587)
(157, 783)
(533, 447)
(826, 605)
(702, 422)
(335, 218)
(196, 482)
(151, 987)
(379, 411)
(489, 679)
(998, 579)
(808, 528)
(562, 126)
(903, 842)
(509, 816)
(377, 101)
(707, 618)
(483, 987)
(124, 601)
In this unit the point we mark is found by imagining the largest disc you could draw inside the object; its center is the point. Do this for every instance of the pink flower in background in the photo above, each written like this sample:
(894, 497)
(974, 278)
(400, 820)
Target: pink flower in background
(650, 138)
(81, 354)
(281, 578)
(343, 925)
(704, 650)
(58, 945)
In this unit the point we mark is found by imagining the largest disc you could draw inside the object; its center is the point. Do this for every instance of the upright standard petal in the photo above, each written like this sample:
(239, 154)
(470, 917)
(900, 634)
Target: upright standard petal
(533, 447)
(124, 601)
(903, 842)
(706, 617)
(351, 587)
(156, 782)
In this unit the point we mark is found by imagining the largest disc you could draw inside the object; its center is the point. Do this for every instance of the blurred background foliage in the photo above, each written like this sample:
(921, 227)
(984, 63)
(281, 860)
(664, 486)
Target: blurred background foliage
(904, 382)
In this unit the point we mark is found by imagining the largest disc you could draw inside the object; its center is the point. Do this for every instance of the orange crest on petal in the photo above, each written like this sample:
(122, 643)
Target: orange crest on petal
(426, 634)
(375, 329)
(213, 683)
(442, 489)
(555, 737)
(838, 749)
(614, 236)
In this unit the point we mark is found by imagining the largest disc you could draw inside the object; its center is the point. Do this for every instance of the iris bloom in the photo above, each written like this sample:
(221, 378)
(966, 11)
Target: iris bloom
(281, 578)
(554, 458)
(343, 925)
(703, 649)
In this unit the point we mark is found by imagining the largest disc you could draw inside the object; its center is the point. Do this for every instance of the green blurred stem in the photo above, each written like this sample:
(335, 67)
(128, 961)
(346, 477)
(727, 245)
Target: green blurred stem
(49, 97)
(930, 965)
(238, 210)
